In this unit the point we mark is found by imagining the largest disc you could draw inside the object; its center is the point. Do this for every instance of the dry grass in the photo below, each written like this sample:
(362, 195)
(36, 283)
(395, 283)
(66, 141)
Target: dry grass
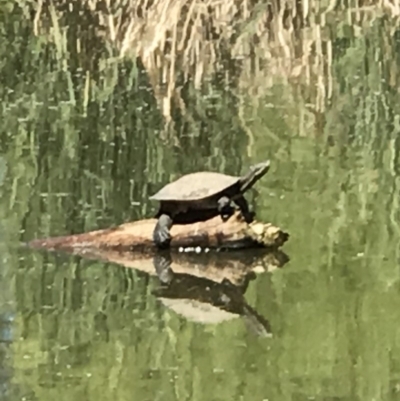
(251, 42)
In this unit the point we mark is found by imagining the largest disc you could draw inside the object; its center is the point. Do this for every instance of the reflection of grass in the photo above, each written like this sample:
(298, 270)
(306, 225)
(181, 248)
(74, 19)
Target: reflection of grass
(250, 43)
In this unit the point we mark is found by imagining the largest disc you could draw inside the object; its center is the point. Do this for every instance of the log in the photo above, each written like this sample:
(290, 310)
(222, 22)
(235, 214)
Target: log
(210, 234)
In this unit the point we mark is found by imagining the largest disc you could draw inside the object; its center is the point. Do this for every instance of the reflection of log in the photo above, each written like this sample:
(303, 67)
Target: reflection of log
(216, 266)
(198, 290)
(213, 233)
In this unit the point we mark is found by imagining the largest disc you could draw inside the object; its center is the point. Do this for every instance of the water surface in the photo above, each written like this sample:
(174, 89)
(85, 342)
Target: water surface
(81, 329)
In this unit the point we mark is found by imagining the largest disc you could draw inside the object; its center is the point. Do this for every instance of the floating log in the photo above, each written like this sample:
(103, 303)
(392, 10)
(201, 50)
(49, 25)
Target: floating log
(135, 236)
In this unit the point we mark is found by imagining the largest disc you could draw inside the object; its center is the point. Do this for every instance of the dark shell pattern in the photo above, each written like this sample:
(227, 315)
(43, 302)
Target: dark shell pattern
(195, 186)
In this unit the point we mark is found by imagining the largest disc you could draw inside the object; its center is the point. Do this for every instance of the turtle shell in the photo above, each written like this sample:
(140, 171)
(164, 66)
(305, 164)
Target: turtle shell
(195, 186)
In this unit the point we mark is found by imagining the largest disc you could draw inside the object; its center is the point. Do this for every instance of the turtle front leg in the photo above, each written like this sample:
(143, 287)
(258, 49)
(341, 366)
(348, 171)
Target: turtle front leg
(161, 234)
(244, 209)
(225, 208)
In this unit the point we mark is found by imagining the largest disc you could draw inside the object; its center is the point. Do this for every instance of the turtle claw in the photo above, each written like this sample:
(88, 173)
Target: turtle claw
(162, 237)
(249, 217)
(225, 217)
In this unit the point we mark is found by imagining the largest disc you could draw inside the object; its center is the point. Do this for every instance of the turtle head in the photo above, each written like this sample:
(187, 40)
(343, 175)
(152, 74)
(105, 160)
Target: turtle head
(258, 170)
(255, 173)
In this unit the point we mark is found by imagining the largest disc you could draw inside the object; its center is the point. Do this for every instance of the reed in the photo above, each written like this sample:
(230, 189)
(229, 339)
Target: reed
(248, 44)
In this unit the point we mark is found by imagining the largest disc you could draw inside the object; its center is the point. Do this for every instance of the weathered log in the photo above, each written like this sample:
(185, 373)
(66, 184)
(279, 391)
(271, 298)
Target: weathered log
(213, 233)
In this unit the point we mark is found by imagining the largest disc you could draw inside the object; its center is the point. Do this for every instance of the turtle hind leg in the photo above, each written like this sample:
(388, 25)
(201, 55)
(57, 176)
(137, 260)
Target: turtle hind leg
(225, 208)
(161, 234)
(244, 209)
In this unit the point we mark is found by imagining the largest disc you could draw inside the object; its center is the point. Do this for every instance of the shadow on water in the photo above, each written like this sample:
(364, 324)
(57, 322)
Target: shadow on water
(205, 301)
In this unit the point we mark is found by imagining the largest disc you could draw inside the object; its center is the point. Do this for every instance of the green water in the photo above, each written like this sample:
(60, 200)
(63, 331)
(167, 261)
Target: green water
(81, 329)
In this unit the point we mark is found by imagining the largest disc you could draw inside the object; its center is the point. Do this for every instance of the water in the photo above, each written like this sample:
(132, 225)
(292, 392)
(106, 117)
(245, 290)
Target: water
(74, 328)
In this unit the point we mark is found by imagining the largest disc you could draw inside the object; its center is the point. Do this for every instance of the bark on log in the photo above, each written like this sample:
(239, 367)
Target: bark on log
(135, 236)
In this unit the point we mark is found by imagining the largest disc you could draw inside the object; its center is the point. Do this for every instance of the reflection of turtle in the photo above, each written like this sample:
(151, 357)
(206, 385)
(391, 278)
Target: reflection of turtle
(205, 301)
(204, 194)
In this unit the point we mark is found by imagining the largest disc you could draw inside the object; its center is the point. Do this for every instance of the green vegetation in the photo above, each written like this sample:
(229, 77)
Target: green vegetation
(104, 101)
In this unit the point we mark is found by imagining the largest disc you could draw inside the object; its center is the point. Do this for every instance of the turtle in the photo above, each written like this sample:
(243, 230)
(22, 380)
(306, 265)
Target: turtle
(203, 193)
